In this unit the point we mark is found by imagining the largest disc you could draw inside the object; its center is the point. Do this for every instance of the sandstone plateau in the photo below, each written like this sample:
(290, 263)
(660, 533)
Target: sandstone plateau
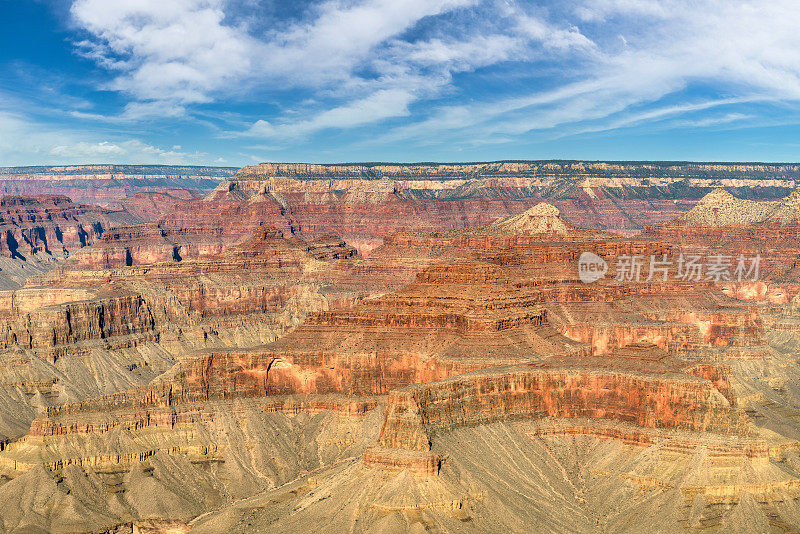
(238, 363)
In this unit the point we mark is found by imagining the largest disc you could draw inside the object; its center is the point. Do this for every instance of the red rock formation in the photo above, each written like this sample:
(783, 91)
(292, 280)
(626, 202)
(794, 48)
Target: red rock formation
(448, 329)
(52, 224)
(539, 252)
(136, 410)
(78, 331)
(362, 203)
(48, 327)
(639, 384)
(729, 447)
(149, 243)
(152, 205)
(734, 228)
(425, 197)
(260, 276)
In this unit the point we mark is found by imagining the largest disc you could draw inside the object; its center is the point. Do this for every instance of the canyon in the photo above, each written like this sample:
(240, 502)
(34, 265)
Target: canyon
(365, 202)
(362, 202)
(406, 348)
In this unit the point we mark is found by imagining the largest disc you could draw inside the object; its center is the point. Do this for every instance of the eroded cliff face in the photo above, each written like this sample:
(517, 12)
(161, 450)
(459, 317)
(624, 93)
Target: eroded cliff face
(39, 232)
(642, 386)
(657, 173)
(152, 205)
(363, 203)
(80, 332)
(728, 227)
(176, 467)
(49, 327)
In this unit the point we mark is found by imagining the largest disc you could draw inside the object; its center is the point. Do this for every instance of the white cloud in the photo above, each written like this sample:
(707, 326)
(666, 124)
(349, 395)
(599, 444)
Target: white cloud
(176, 51)
(380, 105)
(182, 52)
(407, 71)
(25, 141)
(95, 151)
(170, 55)
(131, 150)
(344, 35)
(727, 118)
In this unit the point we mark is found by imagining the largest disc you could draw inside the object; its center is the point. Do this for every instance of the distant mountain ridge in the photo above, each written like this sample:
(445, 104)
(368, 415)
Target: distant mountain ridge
(124, 169)
(618, 196)
(104, 184)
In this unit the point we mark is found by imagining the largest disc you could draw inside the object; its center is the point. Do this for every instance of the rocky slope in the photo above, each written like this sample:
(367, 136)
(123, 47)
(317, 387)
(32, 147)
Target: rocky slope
(152, 205)
(364, 202)
(75, 332)
(722, 224)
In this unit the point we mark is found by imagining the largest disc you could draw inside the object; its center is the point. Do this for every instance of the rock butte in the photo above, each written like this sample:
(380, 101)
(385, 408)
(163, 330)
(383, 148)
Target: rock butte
(262, 376)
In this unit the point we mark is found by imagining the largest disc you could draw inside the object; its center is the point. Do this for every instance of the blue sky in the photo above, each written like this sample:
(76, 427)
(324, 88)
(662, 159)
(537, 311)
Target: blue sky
(234, 82)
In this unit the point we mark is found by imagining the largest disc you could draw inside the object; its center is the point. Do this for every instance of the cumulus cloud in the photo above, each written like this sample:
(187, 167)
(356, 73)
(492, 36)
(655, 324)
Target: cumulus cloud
(354, 53)
(178, 51)
(183, 52)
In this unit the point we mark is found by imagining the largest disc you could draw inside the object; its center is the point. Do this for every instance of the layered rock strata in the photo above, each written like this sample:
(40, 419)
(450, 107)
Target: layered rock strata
(78, 332)
(260, 372)
(618, 196)
(640, 385)
(39, 232)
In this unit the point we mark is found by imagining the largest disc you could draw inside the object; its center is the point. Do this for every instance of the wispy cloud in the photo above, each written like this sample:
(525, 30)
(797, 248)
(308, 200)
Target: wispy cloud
(725, 119)
(750, 50)
(354, 54)
(402, 72)
(373, 74)
(382, 104)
